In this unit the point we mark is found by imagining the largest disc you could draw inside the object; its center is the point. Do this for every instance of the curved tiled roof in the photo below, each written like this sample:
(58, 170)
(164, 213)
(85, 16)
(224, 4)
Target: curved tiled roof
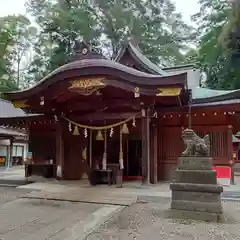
(107, 68)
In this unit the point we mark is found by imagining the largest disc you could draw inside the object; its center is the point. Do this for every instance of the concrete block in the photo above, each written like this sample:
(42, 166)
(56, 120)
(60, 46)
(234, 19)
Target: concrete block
(196, 176)
(195, 215)
(212, 207)
(190, 187)
(195, 163)
(196, 196)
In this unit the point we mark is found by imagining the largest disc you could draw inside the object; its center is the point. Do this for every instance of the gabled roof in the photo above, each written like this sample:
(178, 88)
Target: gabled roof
(136, 53)
(10, 132)
(8, 110)
(206, 95)
(179, 67)
(200, 93)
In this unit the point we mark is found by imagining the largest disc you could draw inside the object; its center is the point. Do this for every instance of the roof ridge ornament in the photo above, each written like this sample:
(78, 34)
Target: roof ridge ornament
(83, 50)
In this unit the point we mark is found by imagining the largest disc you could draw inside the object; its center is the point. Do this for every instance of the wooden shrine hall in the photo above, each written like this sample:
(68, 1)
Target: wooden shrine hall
(110, 120)
(94, 116)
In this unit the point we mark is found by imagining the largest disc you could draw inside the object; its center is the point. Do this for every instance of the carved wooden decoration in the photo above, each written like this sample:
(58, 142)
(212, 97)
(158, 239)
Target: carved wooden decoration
(165, 92)
(20, 104)
(87, 86)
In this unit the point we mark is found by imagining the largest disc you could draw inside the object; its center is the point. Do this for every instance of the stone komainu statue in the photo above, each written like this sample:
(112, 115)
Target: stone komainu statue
(195, 146)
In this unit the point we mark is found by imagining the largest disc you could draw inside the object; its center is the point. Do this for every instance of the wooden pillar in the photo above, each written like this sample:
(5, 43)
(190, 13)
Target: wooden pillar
(154, 154)
(230, 152)
(59, 150)
(229, 147)
(10, 156)
(90, 149)
(146, 147)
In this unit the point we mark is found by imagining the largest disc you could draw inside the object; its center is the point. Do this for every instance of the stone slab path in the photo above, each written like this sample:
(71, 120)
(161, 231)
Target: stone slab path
(111, 195)
(86, 195)
(33, 219)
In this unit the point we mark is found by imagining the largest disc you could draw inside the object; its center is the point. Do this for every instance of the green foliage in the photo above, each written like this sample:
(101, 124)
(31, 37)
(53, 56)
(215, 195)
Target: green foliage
(155, 25)
(215, 56)
(16, 35)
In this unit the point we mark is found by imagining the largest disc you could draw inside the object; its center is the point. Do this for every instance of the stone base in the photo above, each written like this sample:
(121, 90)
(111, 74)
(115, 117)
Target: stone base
(195, 163)
(211, 207)
(195, 215)
(196, 197)
(196, 176)
(195, 193)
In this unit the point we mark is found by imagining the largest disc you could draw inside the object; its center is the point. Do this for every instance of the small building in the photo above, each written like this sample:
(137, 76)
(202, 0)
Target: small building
(126, 115)
(13, 141)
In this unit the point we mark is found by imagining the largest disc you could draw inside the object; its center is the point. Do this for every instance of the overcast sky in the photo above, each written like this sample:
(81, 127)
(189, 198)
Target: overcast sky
(186, 7)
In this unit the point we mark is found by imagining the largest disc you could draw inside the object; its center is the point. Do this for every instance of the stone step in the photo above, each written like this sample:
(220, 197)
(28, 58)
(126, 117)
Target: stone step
(196, 196)
(190, 187)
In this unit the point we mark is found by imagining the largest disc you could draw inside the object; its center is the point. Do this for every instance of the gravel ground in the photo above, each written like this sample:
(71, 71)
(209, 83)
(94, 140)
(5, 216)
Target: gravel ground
(147, 221)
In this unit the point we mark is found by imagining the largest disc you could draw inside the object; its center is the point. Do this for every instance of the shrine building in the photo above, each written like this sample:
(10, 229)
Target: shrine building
(121, 118)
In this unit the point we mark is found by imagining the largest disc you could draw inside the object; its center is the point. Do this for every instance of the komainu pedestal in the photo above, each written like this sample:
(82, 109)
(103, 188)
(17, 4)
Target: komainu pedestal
(195, 193)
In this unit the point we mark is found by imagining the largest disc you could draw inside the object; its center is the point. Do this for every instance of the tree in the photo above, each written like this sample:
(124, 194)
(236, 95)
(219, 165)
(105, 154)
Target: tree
(24, 35)
(62, 25)
(6, 42)
(230, 35)
(16, 36)
(106, 25)
(214, 57)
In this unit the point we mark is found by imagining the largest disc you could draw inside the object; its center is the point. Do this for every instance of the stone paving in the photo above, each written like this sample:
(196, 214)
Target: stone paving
(31, 219)
(41, 219)
(8, 194)
(79, 192)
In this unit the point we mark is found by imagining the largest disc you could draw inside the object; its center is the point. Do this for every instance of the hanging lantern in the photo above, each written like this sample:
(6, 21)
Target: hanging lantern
(70, 126)
(111, 133)
(85, 133)
(76, 131)
(125, 129)
(42, 101)
(55, 118)
(136, 92)
(134, 122)
(99, 136)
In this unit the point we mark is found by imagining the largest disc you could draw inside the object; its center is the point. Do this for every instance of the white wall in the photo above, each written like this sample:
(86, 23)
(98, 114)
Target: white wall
(7, 143)
(193, 76)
